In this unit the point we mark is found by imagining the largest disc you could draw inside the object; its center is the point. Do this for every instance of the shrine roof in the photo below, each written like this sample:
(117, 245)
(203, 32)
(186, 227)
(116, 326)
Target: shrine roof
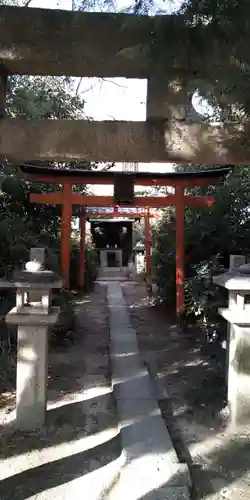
(91, 175)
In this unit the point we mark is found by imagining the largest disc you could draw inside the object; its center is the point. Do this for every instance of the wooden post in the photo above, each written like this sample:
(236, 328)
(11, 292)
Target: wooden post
(180, 262)
(82, 251)
(66, 232)
(148, 250)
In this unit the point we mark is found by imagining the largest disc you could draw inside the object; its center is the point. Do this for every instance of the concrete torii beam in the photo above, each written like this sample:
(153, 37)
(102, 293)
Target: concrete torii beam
(57, 42)
(122, 141)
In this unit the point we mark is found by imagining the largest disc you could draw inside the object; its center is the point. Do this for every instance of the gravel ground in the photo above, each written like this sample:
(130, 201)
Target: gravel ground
(192, 397)
(80, 434)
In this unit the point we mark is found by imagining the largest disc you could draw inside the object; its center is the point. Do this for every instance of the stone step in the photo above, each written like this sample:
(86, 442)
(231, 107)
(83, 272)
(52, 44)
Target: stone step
(114, 273)
(111, 278)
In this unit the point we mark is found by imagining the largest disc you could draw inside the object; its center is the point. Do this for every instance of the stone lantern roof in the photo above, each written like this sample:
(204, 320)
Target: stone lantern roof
(237, 279)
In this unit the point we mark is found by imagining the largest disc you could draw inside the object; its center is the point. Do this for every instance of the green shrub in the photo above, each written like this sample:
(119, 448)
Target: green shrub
(90, 269)
(65, 326)
(202, 296)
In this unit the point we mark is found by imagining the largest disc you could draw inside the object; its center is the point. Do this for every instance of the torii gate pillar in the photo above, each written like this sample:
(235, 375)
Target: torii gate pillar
(66, 233)
(180, 249)
(148, 249)
(82, 250)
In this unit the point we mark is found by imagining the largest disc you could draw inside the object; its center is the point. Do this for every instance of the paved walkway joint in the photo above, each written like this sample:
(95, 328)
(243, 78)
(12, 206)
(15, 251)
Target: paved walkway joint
(151, 468)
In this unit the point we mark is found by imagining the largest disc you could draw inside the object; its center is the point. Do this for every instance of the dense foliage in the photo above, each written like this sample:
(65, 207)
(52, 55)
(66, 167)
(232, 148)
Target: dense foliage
(22, 224)
(211, 235)
(201, 45)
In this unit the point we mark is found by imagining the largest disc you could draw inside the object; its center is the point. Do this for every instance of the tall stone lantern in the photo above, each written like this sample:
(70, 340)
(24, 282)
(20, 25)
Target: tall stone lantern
(237, 281)
(139, 257)
(34, 316)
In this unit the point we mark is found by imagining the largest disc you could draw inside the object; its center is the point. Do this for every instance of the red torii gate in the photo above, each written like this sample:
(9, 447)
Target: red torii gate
(146, 215)
(107, 215)
(66, 198)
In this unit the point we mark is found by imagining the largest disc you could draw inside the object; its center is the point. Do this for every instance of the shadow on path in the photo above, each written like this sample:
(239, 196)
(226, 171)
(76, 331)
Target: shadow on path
(46, 476)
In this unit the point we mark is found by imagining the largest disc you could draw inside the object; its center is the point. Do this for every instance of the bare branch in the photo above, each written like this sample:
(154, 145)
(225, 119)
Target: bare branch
(78, 85)
(108, 166)
(114, 83)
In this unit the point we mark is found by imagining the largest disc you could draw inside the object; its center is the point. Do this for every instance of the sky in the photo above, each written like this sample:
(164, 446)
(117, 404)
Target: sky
(118, 98)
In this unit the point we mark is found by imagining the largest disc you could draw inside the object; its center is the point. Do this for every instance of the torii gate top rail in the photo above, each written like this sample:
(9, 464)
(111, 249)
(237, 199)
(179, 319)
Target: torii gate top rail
(80, 176)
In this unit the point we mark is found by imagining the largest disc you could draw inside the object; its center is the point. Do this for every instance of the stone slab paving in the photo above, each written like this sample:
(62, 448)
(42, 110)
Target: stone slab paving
(151, 469)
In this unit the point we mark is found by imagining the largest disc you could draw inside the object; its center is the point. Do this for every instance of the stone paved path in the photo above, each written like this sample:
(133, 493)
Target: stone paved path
(151, 469)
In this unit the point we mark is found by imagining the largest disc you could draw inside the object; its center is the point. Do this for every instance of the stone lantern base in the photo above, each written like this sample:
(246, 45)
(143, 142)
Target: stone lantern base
(32, 365)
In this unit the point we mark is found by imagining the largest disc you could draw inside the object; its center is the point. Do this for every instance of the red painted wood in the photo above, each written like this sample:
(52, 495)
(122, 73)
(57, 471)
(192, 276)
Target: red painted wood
(102, 201)
(199, 201)
(103, 215)
(66, 233)
(82, 251)
(47, 198)
(67, 199)
(147, 244)
(180, 295)
(107, 201)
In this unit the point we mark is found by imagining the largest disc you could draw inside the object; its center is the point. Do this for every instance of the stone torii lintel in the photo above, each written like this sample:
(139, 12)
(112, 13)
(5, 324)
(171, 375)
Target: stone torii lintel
(120, 141)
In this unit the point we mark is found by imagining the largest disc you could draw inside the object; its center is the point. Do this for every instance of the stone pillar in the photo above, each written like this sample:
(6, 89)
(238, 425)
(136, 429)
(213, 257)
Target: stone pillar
(239, 374)
(32, 373)
(38, 254)
(103, 259)
(237, 281)
(234, 262)
(165, 100)
(33, 321)
(119, 257)
(140, 263)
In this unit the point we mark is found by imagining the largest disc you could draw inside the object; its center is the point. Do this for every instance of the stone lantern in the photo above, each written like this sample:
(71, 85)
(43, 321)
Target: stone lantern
(34, 316)
(139, 256)
(237, 281)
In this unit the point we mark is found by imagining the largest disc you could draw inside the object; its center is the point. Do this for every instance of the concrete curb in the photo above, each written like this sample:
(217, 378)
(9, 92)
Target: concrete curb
(113, 471)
